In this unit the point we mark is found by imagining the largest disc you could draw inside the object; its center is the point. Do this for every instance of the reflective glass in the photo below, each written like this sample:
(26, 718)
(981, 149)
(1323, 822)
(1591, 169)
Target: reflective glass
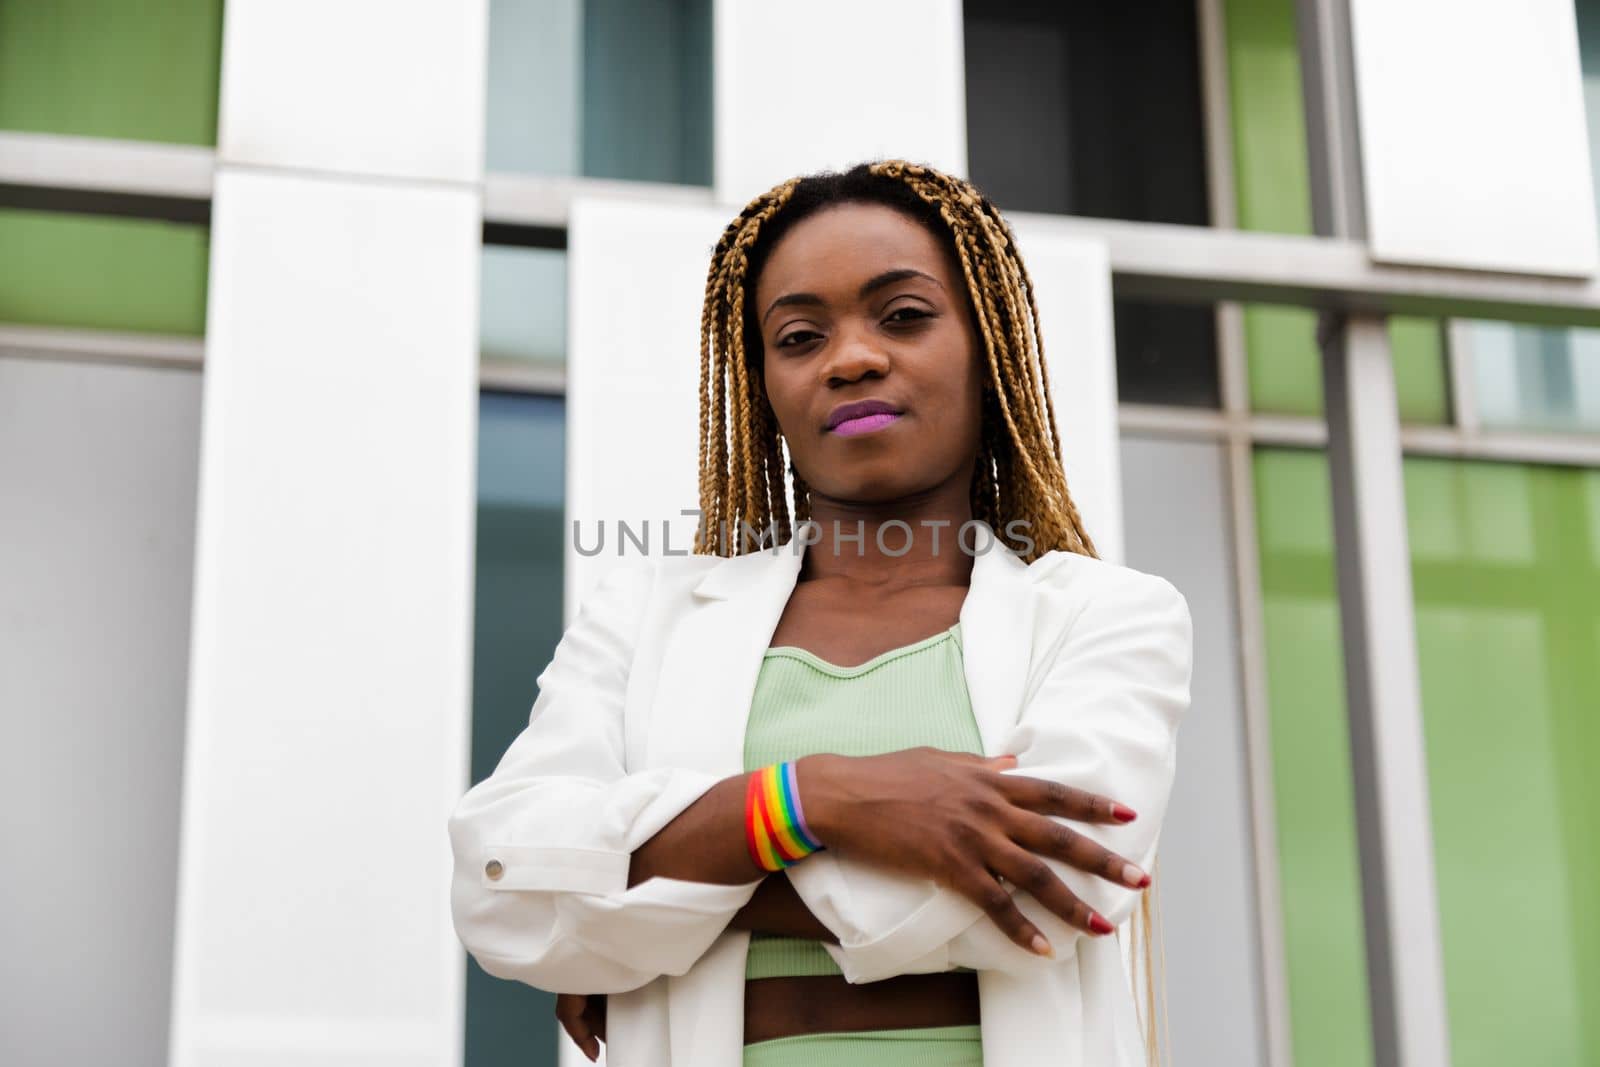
(601, 89)
(523, 305)
(1506, 574)
(108, 68)
(1080, 109)
(103, 272)
(516, 625)
(1273, 189)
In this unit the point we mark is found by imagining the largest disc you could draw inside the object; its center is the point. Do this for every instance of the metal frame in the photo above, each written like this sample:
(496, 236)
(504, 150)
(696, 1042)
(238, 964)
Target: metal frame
(1149, 261)
(1383, 685)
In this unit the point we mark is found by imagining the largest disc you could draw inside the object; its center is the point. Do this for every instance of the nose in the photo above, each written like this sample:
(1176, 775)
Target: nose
(851, 357)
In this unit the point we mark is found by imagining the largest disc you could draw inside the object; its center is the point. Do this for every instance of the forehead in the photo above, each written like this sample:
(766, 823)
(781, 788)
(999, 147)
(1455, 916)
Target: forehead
(839, 246)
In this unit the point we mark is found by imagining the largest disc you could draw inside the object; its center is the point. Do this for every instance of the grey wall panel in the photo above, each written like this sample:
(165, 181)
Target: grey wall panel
(1175, 501)
(98, 468)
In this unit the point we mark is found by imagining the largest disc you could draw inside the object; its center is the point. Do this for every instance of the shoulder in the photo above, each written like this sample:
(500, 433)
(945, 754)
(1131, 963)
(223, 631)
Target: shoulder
(1068, 584)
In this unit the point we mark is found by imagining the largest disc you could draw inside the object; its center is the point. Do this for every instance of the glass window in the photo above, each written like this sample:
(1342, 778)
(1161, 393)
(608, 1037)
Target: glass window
(601, 88)
(1087, 109)
(1506, 572)
(103, 272)
(516, 625)
(1532, 377)
(1506, 568)
(1207, 863)
(523, 305)
(1318, 861)
(1272, 186)
(1080, 109)
(107, 68)
(1166, 354)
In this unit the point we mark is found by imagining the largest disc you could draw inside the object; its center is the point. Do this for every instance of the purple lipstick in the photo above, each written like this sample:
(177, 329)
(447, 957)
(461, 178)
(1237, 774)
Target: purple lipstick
(861, 416)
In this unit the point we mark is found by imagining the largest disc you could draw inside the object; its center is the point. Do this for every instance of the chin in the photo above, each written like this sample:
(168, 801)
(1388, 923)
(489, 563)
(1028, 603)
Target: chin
(869, 487)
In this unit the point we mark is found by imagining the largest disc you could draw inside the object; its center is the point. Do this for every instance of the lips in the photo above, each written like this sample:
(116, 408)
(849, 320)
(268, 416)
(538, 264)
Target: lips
(860, 412)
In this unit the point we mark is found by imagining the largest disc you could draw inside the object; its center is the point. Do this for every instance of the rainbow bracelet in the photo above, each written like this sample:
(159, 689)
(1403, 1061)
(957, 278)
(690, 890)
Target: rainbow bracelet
(774, 823)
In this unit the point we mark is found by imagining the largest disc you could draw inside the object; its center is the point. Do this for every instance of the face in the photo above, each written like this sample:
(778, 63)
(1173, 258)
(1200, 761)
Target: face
(860, 303)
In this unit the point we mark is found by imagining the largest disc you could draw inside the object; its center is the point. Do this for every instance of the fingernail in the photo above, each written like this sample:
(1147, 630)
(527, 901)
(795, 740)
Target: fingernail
(1098, 924)
(1134, 876)
(1042, 947)
(1122, 813)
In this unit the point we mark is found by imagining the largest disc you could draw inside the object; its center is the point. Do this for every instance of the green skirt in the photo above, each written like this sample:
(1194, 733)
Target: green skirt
(929, 1046)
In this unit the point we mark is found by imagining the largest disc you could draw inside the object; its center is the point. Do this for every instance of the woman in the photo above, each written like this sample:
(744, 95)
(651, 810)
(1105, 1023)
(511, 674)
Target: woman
(873, 785)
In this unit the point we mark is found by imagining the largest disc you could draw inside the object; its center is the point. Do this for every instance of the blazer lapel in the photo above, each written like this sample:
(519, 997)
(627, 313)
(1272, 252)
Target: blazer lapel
(710, 663)
(997, 640)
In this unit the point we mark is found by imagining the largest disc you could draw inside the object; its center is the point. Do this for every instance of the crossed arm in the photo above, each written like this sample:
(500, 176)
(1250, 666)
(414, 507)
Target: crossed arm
(560, 883)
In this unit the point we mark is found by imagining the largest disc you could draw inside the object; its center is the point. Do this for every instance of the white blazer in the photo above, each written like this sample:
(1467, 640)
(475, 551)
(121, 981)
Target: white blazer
(1077, 666)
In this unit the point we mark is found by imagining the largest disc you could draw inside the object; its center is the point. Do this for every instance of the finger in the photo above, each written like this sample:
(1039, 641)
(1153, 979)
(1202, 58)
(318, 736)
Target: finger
(1028, 872)
(570, 1010)
(1047, 837)
(1049, 797)
(978, 757)
(987, 892)
(596, 1015)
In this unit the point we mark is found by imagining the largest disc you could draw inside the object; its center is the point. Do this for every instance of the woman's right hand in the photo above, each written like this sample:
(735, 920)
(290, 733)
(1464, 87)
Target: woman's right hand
(969, 826)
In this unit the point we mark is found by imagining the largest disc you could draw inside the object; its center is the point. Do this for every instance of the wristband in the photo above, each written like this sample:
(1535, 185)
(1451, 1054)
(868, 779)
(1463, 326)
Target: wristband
(775, 827)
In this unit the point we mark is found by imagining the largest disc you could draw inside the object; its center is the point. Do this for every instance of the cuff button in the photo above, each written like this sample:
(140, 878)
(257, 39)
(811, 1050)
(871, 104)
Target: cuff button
(494, 870)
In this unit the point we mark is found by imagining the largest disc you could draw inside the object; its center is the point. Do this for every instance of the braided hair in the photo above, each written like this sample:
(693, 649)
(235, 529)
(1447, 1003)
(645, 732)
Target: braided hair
(1018, 472)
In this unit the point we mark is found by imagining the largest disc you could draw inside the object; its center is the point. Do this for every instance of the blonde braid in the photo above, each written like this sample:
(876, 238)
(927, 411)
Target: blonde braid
(1019, 472)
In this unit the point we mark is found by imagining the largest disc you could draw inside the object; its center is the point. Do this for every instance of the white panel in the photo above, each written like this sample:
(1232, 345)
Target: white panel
(1473, 138)
(331, 664)
(636, 277)
(833, 82)
(386, 87)
(636, 283)
(1072, 284)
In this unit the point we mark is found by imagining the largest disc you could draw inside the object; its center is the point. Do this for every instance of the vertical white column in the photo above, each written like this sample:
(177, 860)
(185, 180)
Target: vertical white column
(330, 671)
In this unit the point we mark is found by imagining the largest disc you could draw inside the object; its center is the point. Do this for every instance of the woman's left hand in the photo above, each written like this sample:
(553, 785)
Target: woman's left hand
(583, 1016)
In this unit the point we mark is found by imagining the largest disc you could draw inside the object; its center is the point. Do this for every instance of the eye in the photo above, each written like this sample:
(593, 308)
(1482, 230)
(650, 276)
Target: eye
(907, 313)
(796, 338)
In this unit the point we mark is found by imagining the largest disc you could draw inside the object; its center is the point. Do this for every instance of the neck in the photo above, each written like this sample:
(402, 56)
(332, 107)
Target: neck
(913, 540)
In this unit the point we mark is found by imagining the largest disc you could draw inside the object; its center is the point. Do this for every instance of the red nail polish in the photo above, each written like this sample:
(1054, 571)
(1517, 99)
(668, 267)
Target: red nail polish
(1123, 814)
(1098, 924)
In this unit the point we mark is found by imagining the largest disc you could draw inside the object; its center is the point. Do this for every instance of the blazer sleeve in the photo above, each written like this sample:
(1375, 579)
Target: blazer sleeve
(542, 846)
(1102, 717)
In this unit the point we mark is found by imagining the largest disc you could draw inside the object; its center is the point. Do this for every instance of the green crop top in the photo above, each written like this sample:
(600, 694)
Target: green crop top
(908, 696)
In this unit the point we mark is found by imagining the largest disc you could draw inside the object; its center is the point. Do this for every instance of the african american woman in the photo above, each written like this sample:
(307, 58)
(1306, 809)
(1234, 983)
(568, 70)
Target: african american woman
(875, 776)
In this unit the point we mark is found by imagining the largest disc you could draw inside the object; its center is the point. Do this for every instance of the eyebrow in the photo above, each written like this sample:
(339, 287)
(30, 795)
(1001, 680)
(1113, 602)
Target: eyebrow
(877, 281)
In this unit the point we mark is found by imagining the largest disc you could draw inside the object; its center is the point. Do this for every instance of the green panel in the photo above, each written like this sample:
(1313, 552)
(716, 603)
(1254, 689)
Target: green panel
(108, 68)
(100, 272)
(1421, 389)
(1317, 852)
(1506, 564)
(1273, 186)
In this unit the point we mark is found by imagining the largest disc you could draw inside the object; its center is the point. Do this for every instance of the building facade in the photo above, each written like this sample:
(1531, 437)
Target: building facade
(296, 300)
